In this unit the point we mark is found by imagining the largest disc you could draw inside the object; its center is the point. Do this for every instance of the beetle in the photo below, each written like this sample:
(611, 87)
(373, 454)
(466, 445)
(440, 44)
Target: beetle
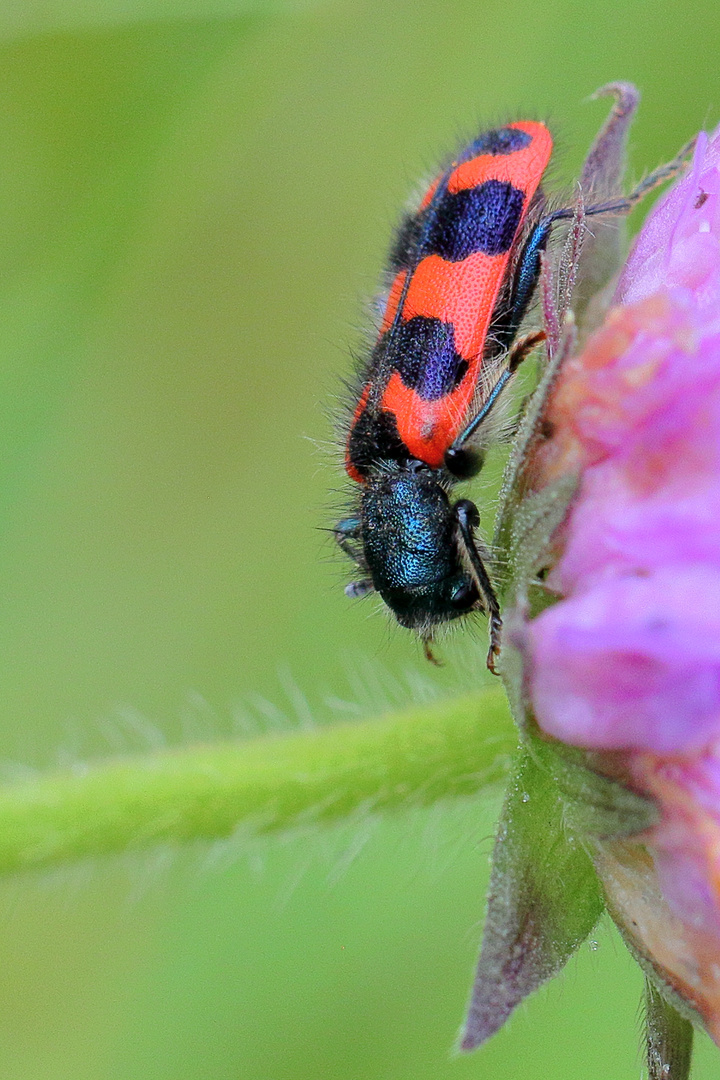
(463, 271)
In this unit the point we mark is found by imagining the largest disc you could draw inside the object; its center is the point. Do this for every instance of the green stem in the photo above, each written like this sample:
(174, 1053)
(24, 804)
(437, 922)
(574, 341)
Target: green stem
(453, 747)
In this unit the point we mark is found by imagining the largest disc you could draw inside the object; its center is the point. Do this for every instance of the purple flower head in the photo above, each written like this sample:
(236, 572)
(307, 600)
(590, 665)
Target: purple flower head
(679, 246)
(628, 660)
(632, 661)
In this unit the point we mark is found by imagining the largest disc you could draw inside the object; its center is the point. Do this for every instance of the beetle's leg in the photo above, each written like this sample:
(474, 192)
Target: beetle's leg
(525, 278)
(455, 455)
(467, 517)
(357, 589)
(429, 654)
(522, 349)
(625, 203)
(347, 536)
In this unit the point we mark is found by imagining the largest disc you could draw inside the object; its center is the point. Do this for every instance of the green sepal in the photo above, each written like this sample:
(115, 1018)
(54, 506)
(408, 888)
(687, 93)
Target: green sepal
(536, 519)
(543, 902)
(526, 521)
(668, 1038)
(601, 179)
(595, 804)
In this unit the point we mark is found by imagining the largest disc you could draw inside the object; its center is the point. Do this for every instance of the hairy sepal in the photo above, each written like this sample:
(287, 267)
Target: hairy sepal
(544, 900)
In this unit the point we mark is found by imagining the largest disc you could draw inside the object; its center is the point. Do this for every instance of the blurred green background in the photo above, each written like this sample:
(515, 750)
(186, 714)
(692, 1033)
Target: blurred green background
(195, 198)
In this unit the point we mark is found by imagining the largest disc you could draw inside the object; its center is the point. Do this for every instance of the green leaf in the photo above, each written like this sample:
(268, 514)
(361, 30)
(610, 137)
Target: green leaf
(544, 900)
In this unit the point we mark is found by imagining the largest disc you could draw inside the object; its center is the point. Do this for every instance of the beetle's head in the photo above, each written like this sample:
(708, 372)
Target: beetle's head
(407, 532)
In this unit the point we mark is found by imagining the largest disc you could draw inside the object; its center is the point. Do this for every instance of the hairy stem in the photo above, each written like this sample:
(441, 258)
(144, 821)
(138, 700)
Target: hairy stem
(417, 756)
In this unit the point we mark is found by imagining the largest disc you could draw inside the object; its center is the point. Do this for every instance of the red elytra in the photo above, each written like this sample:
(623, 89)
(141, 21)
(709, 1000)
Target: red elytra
(462, 294)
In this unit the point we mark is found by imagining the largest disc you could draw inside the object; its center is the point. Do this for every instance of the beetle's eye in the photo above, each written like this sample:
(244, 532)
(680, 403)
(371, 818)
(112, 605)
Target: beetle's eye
(463, 595)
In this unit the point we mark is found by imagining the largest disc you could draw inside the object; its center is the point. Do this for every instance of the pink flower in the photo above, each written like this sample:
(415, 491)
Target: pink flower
(628, 660)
